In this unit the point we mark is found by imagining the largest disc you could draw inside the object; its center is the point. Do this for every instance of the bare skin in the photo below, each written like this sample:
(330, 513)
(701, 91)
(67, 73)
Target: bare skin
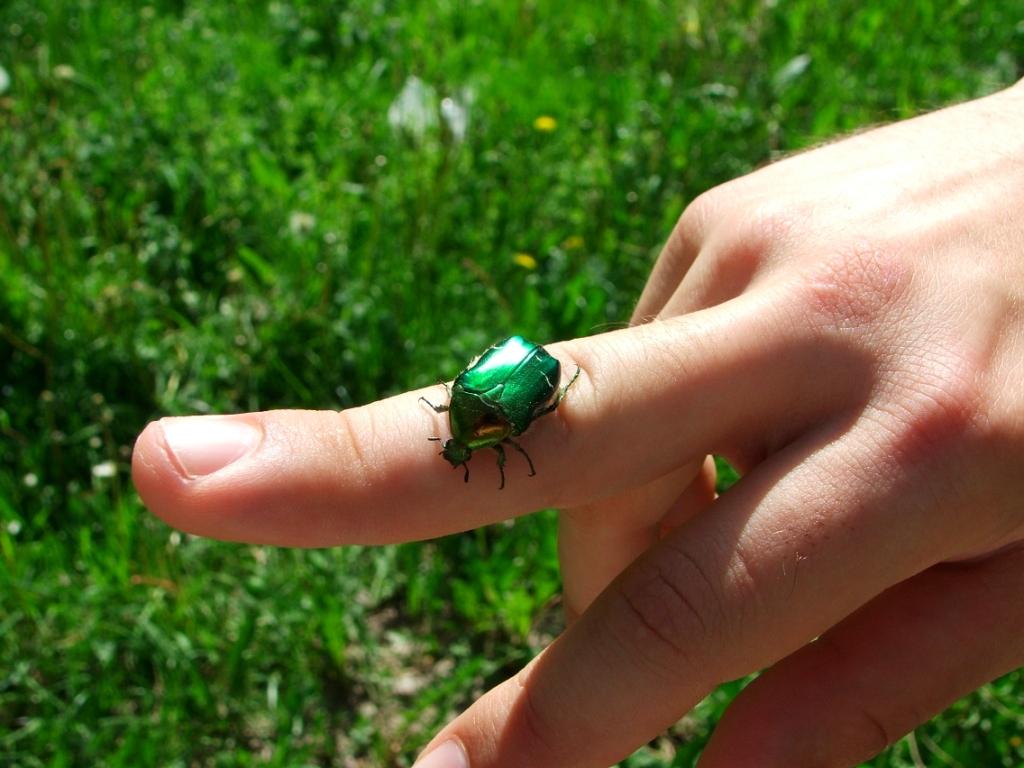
(847, 327)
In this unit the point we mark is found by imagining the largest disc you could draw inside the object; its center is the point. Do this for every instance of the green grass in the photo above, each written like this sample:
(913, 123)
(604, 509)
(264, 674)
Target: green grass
(204, 207)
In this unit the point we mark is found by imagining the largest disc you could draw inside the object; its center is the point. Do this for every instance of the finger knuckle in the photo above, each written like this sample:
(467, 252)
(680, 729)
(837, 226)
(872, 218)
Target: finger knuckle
(753, 243)
(1003, 398)
(1003, 421)
(856, 285)
(996, 448)
(702, 211)
(935, 410)
(767, 227)
(687, 238)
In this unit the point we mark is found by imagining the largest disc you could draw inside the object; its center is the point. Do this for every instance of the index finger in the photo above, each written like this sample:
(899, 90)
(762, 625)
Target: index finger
(648, 399)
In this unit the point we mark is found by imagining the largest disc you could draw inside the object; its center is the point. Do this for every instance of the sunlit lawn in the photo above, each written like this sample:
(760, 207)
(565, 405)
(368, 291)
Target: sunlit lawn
(232, 206)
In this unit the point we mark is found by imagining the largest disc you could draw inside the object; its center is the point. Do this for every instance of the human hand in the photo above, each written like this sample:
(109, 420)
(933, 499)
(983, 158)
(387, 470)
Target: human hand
(845, 326)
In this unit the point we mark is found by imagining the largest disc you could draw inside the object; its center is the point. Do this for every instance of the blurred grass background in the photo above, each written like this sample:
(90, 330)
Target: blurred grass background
(244, 205)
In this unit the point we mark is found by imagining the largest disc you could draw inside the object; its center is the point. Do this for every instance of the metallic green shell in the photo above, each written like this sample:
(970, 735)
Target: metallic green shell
(502, 392)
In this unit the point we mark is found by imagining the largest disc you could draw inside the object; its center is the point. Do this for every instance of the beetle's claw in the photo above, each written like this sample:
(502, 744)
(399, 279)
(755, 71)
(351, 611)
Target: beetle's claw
(501, 463)
(561, 393)
(526, 456)
(436, 408)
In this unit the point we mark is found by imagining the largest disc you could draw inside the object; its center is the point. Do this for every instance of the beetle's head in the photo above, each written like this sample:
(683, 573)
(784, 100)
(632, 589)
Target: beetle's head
(456, 453)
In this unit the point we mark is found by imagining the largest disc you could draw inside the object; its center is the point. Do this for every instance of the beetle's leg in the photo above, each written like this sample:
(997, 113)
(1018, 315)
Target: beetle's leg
(447, 389)
(522, 450)
(437, 408)
(501, 464)
(561, 394)
(464, 465)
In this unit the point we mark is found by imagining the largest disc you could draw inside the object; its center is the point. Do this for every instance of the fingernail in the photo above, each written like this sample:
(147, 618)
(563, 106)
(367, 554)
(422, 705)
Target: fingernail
(201, 445)
(449, 755)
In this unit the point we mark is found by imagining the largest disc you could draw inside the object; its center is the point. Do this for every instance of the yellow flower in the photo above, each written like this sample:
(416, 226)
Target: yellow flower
(691, 22)
(1016, 741)
(545, 124)
(525, 260)
(572, 242)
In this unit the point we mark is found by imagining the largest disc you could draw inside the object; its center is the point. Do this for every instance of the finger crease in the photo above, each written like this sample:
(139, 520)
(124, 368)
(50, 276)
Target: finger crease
(533, 721)
(681, 596)
(677, 647)
(694, 563)
(880, 730)
(356, 449)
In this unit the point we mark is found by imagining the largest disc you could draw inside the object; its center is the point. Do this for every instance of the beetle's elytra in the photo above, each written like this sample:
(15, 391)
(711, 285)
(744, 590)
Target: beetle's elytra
(497, 397)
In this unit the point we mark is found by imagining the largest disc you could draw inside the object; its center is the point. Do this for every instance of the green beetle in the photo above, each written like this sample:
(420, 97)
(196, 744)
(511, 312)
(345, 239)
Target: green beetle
(497, 397)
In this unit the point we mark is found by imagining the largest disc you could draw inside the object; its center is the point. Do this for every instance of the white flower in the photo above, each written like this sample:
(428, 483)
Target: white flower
(104, 469)
(455, 116)
(300, 222)
(414, 110)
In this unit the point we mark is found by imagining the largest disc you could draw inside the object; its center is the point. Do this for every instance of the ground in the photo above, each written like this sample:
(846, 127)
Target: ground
(242, 205)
